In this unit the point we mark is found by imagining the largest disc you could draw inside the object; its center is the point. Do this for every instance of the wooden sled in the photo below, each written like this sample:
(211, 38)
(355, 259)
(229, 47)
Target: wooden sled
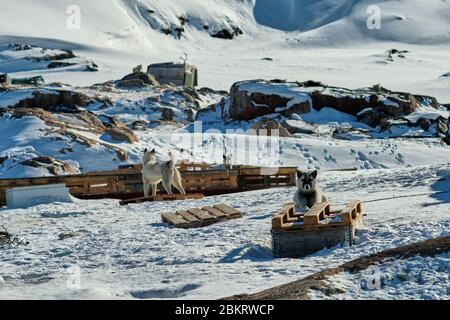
(163, 197)
(196, 217)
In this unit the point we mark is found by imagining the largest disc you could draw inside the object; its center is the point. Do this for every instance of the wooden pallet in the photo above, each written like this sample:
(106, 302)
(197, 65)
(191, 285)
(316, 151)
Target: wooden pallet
(196, 217)
(287, 219)
(299, 234)
(126, 182)
(163, 197)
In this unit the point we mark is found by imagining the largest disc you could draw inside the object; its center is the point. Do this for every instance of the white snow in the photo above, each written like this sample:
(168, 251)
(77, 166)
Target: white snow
(127, 252)
(335, 47)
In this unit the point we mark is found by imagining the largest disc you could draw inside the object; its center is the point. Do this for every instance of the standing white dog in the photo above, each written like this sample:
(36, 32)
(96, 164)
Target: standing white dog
(155, 172)
(308, 192)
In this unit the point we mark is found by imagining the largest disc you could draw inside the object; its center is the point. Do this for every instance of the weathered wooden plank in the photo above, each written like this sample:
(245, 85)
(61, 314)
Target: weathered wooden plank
(316, 213)
(173, 218)
(215, 212)
(227, 209)
(200, 214)
(188, 217)
(351, 211)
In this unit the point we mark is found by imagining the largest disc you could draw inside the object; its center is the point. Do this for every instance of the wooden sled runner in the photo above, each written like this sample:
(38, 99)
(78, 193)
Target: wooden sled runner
(196, 217)
(297, 235)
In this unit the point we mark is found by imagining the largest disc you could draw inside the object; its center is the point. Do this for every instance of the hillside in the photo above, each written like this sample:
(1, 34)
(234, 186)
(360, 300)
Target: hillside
(322, 40)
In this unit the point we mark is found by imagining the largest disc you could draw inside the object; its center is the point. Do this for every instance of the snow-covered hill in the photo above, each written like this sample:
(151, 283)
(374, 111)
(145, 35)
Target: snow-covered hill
(326, 40)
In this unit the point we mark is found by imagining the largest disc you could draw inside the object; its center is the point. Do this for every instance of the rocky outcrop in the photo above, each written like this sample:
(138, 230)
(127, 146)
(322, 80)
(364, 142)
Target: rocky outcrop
(55, 101)
(270, 127)
(228, 33)
(143, 76)
(54, 167)
(122, 133)
(245, 105)
(167, 114)
(356, 101)
(374, 106)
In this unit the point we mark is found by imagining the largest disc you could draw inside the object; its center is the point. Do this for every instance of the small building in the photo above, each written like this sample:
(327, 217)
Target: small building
(4, 78)
(179, 74)
(36, 81)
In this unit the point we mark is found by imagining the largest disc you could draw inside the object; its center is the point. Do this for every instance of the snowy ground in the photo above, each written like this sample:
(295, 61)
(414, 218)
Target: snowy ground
(126, 252)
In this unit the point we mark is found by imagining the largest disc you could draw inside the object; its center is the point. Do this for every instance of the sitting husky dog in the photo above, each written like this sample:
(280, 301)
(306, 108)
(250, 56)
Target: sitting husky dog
(308, 192)
(156, 172)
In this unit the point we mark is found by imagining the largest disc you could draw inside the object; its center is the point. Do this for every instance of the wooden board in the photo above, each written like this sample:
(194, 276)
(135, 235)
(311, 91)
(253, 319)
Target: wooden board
(162, 197)
(196, 217)
(317, 213)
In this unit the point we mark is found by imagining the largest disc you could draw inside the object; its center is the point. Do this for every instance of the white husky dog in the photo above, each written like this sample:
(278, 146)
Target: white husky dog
(155, 172)
(308, 192)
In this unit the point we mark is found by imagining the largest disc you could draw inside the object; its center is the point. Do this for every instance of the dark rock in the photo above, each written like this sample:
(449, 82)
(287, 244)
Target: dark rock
(270, 127)
(442, 125)
(122, 154)
(310, 83)
(167, 114)
(55, 167)
(131, 84)
(2, 160)
(139, 125)
(68, 235)
(247, 107)
(59, 64)
(446, 139)
(144, 77)
(228, 34)
(298, 126)
(299, 108)
(424, 124)
(56, 101)
(122, 134)
(190, 115)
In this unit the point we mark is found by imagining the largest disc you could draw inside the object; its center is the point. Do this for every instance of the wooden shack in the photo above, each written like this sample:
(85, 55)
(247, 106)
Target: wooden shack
(296, 235)
(5, 79)
(178, 74)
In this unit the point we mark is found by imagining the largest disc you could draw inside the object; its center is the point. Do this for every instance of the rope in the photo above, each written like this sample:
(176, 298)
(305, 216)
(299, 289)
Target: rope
(407, 196)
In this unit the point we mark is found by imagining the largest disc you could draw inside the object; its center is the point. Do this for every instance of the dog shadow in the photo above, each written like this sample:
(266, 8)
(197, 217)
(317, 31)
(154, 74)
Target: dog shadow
(441, 189)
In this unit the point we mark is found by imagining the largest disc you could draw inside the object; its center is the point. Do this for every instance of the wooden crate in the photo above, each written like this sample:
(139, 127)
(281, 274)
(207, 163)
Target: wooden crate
(297, 235)
(162, 197)
(196, 217)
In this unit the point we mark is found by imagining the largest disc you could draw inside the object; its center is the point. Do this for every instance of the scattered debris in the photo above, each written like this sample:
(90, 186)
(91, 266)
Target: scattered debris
(68, 235)
(7, 238)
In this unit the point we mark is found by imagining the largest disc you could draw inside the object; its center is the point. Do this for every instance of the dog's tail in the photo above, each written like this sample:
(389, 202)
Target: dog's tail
(173, 159)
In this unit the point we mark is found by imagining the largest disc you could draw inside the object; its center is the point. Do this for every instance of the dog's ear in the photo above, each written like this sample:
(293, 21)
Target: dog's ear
(314, 174)
(146, 150)
(299, 174)
(153, 151)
